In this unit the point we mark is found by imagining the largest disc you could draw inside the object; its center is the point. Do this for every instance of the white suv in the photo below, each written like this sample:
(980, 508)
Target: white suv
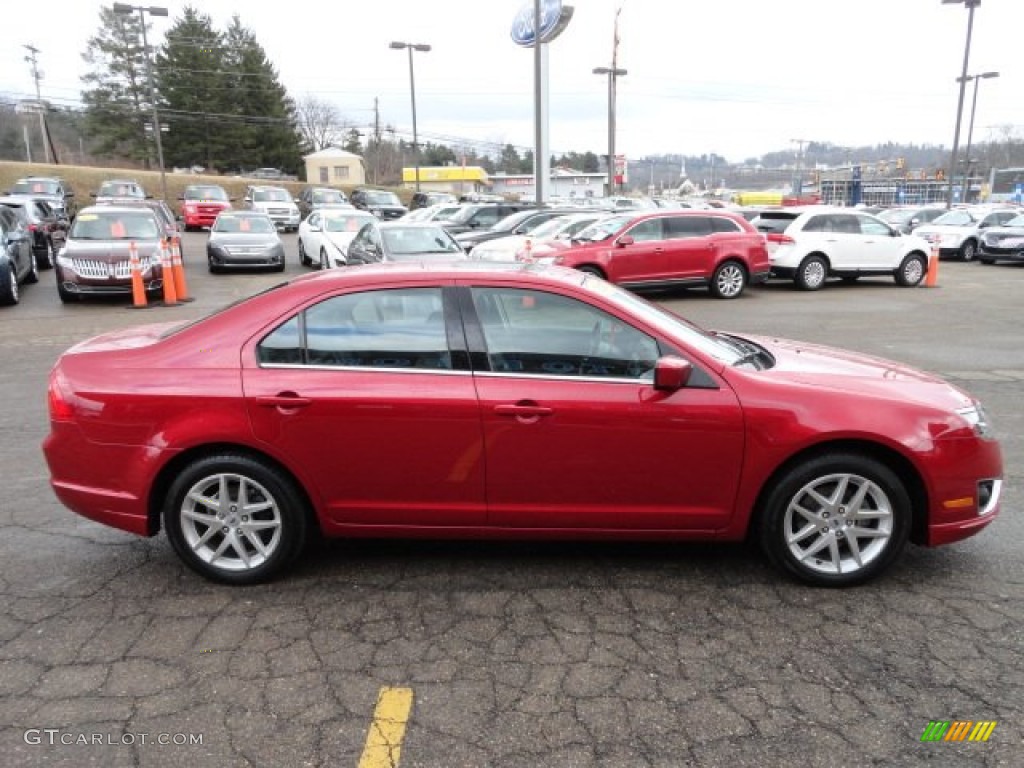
(811, 244)
(958, 231)
(277, 203)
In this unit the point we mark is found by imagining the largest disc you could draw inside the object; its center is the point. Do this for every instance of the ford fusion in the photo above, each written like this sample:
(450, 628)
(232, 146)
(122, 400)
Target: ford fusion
(509, 401)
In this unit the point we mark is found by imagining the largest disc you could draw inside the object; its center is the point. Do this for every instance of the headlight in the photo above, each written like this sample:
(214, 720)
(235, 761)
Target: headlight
(977, 419)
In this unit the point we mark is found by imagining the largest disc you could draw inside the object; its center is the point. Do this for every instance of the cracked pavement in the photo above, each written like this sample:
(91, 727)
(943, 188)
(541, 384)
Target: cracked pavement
(554, 654)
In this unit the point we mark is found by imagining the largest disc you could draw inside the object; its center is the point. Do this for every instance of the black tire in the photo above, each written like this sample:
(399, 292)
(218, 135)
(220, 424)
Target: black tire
(44, 258)
(202, 535)
(324, 261)
(811, 274)
(728, 281)
(968, 250)
(590, 269)
(912, 270)
(304, 259)
(9, 294)
(793, 517)
(33, 270)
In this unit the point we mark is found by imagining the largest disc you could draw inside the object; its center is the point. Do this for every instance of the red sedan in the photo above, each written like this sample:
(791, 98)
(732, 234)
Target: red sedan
(506, 401)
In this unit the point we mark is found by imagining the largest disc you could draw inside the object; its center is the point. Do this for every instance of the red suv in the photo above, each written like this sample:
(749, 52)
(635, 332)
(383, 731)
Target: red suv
(200, 205)
(670, 248)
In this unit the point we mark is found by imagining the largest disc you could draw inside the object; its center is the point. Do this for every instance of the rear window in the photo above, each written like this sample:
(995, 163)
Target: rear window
(774, 221)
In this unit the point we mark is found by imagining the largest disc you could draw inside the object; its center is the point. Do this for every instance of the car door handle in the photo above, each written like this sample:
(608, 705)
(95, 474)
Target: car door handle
(284, 400)
(523, 410)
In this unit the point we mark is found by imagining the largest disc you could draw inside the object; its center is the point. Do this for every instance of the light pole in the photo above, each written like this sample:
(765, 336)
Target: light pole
(971, 5)
(613, 73)
(412, 88)
(970, 128)
(152, 10)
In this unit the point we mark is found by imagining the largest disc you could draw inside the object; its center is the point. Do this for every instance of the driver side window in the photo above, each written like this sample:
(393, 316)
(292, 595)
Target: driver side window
(534, 333)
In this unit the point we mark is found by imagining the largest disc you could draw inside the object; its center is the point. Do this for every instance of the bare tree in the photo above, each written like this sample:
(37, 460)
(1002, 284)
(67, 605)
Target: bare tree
(319, 122)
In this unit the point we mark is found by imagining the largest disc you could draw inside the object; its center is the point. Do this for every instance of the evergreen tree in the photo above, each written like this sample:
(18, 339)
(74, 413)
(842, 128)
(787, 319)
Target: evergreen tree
(116, 97)
(190, 84)
(266, 134)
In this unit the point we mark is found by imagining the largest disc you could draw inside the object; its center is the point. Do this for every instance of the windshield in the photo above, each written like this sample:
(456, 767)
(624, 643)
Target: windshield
(955, 219)
(603, 229)
(896, 215)
(378, 197)
(205, 193)
(667, 322)
(271, 196)
(407, 241)
(550, 228)
(255, 225)
(1016, 221)
(465, 214)
(115, 225)
(120, 189)
(35, 188)
(344, 223)
(328, 196)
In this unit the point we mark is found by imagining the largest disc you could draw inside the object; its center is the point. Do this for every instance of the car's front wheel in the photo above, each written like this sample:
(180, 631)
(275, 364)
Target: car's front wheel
(234, 518)
(968, 250)
(8, 284)
(811, 274)
(911, 271)
(728, 280)
(836, 520)
(304, 259)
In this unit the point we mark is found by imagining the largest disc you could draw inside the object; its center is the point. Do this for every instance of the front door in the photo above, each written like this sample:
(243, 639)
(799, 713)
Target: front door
(574, 433)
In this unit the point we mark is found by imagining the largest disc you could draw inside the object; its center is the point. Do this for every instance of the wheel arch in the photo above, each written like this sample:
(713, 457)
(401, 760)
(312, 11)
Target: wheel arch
(891, 458)
(165, 477)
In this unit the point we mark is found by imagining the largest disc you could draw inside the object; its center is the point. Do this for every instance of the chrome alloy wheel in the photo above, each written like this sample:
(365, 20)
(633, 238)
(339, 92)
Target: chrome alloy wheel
(838, 524)
(814, 273)
(231, 522)
(729, 281)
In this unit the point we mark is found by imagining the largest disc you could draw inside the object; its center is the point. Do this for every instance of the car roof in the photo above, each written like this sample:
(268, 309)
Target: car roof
(116, 208)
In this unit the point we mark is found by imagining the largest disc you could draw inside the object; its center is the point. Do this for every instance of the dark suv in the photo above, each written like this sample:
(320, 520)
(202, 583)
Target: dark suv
(312, 198)
(56, 192)
(42, 224)
(380, 202)
(426, 199)
(483, 216)
(519, 223)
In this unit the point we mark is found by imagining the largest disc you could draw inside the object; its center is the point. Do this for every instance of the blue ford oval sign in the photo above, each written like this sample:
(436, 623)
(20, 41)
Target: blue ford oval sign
(554, 17)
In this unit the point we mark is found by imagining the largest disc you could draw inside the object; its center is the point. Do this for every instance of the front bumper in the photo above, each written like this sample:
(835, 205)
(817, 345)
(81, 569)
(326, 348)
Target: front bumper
(964, 492)
(266, 258)
(999, 253)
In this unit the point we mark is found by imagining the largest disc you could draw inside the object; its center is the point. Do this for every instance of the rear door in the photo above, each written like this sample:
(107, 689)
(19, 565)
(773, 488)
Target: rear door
(689, 247)
(369, 394)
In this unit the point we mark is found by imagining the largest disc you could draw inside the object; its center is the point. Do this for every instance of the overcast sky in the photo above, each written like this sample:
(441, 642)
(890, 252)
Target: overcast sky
(734, 77)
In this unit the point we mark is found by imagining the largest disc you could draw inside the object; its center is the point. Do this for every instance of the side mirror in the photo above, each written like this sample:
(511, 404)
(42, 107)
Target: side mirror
(671, 373)
(625, 240)
(314, 227)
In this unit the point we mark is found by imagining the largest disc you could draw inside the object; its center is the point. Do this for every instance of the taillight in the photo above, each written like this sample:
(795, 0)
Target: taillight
(780, 239)
(59, 397)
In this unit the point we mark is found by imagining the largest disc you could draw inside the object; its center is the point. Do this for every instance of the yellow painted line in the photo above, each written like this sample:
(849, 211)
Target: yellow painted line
(384, 739)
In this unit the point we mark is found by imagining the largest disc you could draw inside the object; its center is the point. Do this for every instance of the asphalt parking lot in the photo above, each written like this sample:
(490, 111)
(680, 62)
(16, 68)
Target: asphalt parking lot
(516, 655)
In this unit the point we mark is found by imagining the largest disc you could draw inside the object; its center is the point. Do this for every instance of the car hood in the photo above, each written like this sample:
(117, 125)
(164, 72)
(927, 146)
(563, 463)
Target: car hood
(823, 367)
(1005, 231)
(945, 229)
(111, 250)
(238, 238)
(340, 240)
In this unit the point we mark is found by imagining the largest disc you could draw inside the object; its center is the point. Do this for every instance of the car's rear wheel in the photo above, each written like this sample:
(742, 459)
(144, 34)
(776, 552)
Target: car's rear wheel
(44, 258)
(592, 270)
(968, 250)
(728, 280)
(324, 261)
(33, 270)
(911, 271)
(235, 519)
(811, 274)
(836, 520)
(8, 284)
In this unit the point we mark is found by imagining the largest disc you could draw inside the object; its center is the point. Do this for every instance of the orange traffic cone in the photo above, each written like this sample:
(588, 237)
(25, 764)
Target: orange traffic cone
(138, 289)
(931, 280)
(178, 268)
(167, 274)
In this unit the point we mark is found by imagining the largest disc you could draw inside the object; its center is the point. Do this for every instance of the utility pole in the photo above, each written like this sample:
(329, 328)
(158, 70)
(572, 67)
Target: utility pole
(376, 141)
(613, 72)
(37, 76)
(798, 181)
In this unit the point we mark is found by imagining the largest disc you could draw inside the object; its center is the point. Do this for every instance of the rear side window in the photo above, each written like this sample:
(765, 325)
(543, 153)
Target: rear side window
(774, 221)
(401, 328)
(722, 224)
(687, 226)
